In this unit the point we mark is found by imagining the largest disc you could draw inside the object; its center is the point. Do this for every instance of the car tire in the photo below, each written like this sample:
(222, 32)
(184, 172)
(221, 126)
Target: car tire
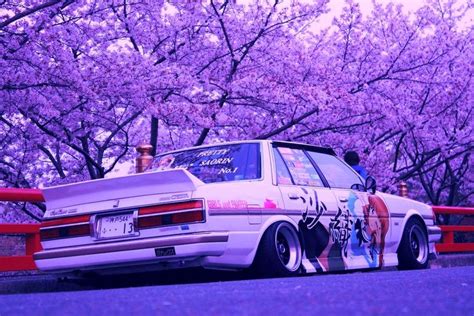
(279, 253)
(413, 251)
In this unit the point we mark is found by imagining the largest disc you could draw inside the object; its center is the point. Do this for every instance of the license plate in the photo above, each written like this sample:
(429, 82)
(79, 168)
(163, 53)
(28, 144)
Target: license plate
(165, 252)
(116, 226)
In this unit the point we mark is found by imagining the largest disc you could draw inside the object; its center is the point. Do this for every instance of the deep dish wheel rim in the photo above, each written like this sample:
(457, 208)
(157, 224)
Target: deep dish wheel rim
(418, 244)
(287, 246)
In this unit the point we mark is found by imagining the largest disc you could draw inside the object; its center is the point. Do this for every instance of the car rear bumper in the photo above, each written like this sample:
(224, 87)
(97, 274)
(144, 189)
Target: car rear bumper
(149, 250)
(434, 234)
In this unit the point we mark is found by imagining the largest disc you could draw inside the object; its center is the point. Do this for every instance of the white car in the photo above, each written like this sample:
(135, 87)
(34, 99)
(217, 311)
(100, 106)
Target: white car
(281, 208)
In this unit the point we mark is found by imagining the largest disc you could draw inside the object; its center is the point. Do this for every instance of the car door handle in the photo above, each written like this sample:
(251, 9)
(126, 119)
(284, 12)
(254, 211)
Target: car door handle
(343, 199)
(293, 196)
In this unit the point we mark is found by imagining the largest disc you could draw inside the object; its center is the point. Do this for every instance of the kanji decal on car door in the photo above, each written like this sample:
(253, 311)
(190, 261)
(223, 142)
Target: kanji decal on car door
(314, 235)
(322, 243)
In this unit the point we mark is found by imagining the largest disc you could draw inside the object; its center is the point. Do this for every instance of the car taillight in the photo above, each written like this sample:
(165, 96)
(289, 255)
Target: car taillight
(170, 207)
(65, 221)
(148, 217)
(188, 217)
(51, 233)
(65, 227)
(64, 232)
(150, 221)
(186, 212)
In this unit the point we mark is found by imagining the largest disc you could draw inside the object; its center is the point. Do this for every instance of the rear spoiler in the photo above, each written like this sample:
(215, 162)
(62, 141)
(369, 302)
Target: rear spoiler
(156, 182)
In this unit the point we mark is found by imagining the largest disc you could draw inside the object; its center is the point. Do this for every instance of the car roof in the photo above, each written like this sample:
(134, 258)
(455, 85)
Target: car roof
(277, 143)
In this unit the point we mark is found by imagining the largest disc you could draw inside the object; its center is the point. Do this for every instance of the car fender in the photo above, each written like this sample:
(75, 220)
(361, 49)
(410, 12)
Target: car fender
(270, 221)
(411, 213)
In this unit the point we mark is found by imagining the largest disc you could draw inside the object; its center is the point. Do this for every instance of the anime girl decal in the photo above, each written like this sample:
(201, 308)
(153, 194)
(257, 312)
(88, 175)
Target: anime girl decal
(370, 229)
(377, 218)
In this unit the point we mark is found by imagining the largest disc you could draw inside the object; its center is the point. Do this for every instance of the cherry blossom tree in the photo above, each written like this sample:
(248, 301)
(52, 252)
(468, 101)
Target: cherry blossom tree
(83, 82)
(419, 82)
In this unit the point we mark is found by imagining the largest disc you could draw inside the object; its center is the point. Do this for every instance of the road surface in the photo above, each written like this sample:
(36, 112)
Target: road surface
(447, 291)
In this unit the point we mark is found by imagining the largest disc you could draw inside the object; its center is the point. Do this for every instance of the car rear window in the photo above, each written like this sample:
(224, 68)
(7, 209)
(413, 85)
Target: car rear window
(216, 163)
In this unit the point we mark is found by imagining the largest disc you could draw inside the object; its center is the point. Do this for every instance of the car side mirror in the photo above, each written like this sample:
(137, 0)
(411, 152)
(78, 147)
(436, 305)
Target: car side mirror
(358, 187)
(370, 184)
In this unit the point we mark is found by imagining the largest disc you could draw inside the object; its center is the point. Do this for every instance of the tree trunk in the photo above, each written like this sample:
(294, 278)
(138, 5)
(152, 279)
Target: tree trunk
(154, 135)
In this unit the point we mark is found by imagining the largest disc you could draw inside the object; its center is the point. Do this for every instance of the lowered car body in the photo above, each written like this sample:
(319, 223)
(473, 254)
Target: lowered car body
(281, 208)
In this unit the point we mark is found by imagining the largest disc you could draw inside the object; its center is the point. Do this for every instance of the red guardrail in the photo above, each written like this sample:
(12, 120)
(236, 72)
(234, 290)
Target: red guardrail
(448, 244)
(21, 195)
(18, 263)
(31, 231)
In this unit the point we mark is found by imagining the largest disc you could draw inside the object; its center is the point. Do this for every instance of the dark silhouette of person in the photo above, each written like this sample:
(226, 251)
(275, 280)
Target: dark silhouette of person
(353, 160)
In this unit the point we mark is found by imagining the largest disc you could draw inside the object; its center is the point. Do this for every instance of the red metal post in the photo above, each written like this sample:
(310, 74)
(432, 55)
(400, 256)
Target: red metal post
(33, 243)
(453, 210)
(17, 263)
(21, 195)
(19, 228)
(459, 247)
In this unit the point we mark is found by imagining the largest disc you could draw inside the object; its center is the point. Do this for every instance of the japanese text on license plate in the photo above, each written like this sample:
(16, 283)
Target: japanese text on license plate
(116, 226)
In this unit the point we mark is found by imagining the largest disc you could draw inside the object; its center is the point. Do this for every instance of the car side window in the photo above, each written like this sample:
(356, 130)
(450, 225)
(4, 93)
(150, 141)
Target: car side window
(300, 167)
(335, 171)
(283, 175)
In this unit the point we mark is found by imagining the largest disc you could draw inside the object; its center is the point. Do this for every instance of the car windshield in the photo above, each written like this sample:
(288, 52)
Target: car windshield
(216, 163)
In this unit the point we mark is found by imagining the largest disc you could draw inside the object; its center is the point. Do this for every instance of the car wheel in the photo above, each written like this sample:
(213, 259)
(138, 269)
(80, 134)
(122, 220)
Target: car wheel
(413, 250)
(279, 252)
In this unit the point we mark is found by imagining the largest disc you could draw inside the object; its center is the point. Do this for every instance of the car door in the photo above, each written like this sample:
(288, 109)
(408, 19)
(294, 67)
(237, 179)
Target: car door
(361, 217)
(311, 203)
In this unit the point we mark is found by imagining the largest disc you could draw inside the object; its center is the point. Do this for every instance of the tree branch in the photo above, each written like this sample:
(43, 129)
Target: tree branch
(31, 11)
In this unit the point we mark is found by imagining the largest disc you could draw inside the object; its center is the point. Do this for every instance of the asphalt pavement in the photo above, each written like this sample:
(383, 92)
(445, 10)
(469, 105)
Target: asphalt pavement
(452, 260)
(442, 291)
